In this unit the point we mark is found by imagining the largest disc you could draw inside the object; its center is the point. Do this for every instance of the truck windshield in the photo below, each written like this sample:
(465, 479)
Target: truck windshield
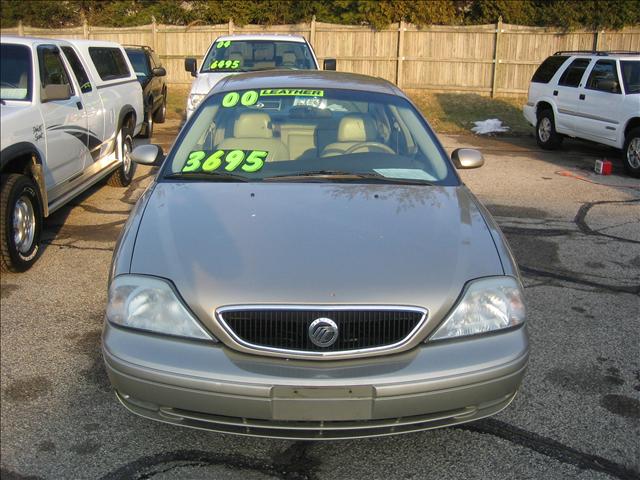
(252, 55)
(15, 74)
(139, 61)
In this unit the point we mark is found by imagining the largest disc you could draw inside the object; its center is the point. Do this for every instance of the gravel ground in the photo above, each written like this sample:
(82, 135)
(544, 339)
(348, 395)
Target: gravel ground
(576, 237)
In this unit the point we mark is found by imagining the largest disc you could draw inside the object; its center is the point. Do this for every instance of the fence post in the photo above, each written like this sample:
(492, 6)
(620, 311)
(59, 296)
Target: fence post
(85, 29)
(230, 26)
(401, 29)
(154, 34)
(20, 28)
(494, 80)
(596, 39)
(312, 31)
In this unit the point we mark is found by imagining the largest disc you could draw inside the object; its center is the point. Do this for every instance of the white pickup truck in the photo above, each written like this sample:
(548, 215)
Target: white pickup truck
(69, 110)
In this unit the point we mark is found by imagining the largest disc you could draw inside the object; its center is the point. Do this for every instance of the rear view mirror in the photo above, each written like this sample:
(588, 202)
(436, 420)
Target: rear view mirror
(159, 72)
(148, 155)
(55, 92)
(329, 64)
(467, 158)
(191, 65)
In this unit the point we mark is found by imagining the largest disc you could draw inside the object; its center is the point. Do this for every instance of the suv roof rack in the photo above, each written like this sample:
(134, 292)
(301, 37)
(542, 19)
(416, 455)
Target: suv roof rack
(600, 53)
(144, 47)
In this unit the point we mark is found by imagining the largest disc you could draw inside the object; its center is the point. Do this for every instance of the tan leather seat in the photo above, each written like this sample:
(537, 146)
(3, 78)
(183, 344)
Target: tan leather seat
(264, 57)
(288, 59)
(252, 131)
(352, 130)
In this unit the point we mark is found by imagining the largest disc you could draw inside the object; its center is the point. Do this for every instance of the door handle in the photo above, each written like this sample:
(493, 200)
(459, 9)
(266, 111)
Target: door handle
(79, 105)
(581, 97)
(555, 93)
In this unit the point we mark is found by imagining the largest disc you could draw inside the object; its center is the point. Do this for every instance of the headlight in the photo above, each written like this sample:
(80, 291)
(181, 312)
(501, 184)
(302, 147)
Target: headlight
(149, 303)
(194, 100)
(488, 304)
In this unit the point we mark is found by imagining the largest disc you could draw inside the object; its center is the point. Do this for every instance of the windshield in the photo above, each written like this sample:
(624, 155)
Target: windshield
(15, 74)
(631, 76)
(308, 135)
(139, 62)
(251, 55)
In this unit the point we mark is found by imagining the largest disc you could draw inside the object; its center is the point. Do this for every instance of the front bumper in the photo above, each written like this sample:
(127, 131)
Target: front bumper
(209, 386)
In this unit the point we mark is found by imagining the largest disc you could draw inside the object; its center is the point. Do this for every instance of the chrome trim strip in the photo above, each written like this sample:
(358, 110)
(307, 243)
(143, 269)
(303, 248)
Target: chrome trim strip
(586, 115)
(322, 355)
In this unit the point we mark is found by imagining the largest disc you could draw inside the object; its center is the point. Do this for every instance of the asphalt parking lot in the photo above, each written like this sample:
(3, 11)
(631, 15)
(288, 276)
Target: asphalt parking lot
(576, 237)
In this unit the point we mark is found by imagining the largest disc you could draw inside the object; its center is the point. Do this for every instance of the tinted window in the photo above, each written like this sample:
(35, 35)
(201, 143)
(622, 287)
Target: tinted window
(78, 69)
(109, 62)
(548, 69)
(15, 72)
(52, 71)
(139, 62)
(573, 74)
(250, 55)
(630, 76)
(604, 77)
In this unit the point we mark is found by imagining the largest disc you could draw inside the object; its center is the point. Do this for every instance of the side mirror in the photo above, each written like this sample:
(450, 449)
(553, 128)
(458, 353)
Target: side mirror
(191, 65)
(55, 92)
(467, 158)
(329, 64)
(151, 155)
(159, 72)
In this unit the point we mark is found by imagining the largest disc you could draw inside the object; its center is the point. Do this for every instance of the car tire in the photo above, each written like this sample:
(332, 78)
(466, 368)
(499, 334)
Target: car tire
(160, 115)
(123, 175)
(546, 134)
(147, 129)
(631, 153)
(21, 223)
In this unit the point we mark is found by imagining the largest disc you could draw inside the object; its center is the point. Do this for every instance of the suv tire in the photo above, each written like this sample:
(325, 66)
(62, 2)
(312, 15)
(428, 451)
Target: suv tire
(20, 222)
(160, 114)
(147, 128)
(123, 175)
(631, 153)
(546, 134)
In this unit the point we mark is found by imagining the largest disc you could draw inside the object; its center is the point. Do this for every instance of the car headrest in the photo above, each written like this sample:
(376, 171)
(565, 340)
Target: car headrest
(236, 56)
(356, 128)
(288, 58)
(253, 125)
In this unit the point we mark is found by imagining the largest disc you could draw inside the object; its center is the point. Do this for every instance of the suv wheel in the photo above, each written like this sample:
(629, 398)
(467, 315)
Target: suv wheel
(631, 153)
(546, 134)
(147, 130)
(161, 113)
(21, 223)
(124, 174)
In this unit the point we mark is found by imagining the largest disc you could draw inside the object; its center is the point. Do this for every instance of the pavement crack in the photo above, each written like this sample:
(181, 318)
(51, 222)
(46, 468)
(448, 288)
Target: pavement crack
(76, 247)
(551, 448)
(633, 289)
(581, 220)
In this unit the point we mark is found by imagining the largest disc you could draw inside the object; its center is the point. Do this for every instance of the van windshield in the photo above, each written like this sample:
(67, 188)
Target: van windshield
(252, 55)
(15, 74)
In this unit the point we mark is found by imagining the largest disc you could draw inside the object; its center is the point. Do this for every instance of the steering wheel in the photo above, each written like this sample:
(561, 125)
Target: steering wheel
(8, 84)
(380, 146)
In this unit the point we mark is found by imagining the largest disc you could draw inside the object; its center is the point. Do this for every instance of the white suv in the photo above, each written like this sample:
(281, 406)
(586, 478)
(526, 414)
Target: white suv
(590, 95)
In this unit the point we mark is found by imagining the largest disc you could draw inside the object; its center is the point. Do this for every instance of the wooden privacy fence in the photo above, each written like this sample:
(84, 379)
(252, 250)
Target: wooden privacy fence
(496, 59)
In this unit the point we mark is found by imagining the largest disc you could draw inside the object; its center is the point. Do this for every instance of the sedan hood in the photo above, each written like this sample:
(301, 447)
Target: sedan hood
(206, 81)
(308, 243)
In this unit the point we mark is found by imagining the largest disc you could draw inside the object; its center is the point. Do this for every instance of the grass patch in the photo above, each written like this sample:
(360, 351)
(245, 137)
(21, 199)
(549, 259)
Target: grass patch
(456, 112)
(446, 112)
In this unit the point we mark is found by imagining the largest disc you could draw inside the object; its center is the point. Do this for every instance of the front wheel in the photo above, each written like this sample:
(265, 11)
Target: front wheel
(631, 153)
(546, 134)
(160, 114)
(147, 127)
(21, 223)
(124, 174)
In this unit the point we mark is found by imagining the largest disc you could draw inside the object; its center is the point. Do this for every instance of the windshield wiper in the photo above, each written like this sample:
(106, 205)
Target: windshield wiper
(210, 177)
(347, 176)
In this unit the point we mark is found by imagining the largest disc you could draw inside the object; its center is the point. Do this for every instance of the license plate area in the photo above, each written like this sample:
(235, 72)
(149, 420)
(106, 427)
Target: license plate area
(322, 403)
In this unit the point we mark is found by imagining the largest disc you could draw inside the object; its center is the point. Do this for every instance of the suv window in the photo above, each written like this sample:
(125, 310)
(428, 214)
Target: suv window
(109, 62)
(604, 77)
(573, 74)
(548, 69)
(52, 71)
(139, 61)
(78, 69)
(15, 73)
(631, 76)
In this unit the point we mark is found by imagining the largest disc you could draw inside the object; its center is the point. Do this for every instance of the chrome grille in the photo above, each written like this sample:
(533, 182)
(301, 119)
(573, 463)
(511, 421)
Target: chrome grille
(287, 328)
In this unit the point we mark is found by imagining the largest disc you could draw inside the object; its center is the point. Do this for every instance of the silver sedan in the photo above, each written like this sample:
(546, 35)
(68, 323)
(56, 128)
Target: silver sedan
(307, 264)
